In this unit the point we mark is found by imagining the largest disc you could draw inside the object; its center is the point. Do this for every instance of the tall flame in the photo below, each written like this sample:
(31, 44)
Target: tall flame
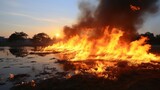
(110, 47)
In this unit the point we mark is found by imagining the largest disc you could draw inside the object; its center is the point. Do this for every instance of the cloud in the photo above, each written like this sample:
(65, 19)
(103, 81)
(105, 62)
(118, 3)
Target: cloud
(48, 20)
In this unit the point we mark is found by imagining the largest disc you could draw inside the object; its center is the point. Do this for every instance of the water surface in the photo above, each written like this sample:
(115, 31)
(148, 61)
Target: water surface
(19, 60)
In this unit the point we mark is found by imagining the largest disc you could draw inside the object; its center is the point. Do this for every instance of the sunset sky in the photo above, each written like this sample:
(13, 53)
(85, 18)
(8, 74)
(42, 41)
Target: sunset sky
(49, 16)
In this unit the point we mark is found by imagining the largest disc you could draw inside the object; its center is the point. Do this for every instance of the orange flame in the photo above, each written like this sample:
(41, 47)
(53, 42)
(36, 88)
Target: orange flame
(108, 48)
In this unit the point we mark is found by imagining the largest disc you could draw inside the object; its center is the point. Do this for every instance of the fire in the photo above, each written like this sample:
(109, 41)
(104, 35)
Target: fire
(109, 47)
(101, 51)
(100, 55)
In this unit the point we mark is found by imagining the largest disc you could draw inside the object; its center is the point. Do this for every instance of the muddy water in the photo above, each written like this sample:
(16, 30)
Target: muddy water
(19, 61)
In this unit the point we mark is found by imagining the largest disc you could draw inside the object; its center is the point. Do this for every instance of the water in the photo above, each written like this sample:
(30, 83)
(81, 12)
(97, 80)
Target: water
(18, 60)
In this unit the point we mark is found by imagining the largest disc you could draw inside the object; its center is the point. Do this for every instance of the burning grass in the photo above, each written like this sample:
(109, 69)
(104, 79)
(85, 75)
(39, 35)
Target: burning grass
(99, 56)
(106, 69)
(109, 47)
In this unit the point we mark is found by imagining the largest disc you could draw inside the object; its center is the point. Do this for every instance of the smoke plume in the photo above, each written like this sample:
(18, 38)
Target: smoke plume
(126, 15)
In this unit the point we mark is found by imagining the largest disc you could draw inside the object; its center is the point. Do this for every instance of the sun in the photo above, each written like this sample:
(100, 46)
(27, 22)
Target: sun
(57, 35)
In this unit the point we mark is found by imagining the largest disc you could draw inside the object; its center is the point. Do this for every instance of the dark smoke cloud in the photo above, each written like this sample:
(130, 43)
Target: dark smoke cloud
(112, 13)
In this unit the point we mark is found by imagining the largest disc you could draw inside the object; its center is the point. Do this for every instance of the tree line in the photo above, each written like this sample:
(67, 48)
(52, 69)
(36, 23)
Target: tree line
(37, 39)
(43, 38)
(152, 39)
(21, 38)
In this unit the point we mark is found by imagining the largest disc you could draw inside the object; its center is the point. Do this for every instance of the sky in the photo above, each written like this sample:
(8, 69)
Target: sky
(35, 16)
(48, 16)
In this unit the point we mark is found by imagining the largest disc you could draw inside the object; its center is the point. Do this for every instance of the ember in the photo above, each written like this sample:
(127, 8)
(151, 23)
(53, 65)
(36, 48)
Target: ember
(134, 8)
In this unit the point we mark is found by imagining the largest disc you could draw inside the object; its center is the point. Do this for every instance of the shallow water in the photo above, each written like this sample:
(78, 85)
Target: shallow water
(18, 60)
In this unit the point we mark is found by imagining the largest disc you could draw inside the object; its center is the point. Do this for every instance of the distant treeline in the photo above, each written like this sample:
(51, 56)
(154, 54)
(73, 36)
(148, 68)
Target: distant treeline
(21, 39)
(42, 39)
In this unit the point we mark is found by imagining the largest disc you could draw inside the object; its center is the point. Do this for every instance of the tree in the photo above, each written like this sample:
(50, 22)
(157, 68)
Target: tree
(18, 36)
(158, 36)
(157, 39)
(150, 36)
(41, 38)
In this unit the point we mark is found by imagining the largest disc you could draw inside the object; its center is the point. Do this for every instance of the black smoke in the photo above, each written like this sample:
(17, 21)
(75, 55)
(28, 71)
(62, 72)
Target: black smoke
(114, 14)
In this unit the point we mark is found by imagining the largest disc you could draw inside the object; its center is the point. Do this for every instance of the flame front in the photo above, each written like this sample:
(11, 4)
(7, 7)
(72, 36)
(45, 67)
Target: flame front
(109, 47)
(103, 52)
